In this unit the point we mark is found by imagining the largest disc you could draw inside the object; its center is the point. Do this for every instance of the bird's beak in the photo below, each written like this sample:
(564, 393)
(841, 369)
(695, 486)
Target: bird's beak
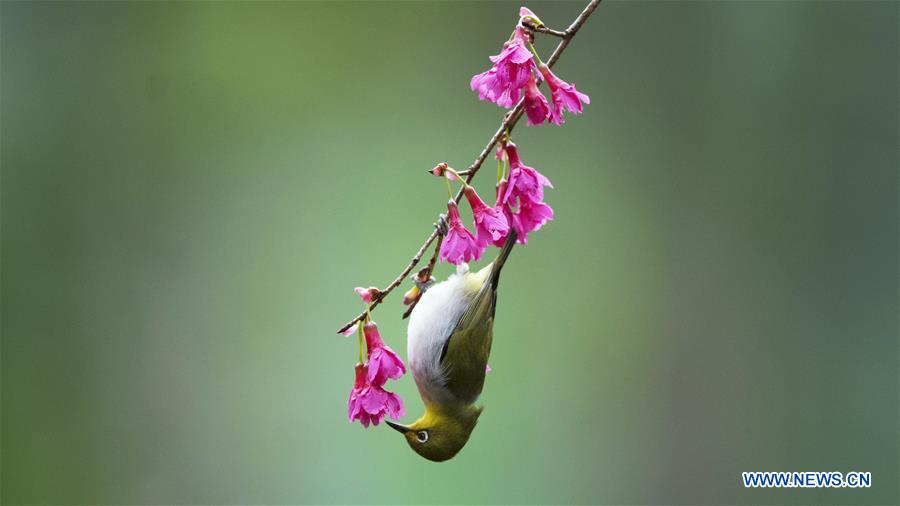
(402, 429)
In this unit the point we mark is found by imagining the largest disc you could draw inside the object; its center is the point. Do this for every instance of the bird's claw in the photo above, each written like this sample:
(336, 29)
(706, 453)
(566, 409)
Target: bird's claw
(423, 285)
(441, 225)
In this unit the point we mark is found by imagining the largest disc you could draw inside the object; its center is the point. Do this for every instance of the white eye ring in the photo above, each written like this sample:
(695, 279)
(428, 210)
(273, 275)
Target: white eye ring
(422, 436)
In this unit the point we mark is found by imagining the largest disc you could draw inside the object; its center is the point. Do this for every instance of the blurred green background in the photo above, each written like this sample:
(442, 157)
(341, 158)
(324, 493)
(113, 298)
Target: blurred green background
(190, 191)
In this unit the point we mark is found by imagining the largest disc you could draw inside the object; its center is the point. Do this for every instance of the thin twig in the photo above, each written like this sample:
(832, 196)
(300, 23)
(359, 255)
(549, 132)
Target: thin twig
(426, 275)
(509, 121)
(544, 29)
(395, 283)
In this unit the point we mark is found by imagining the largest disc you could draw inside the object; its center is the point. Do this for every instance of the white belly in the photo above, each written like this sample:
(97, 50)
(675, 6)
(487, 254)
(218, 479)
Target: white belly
(430, 324)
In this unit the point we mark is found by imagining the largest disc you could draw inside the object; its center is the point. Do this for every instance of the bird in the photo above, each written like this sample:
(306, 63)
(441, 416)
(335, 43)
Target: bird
(448, 344)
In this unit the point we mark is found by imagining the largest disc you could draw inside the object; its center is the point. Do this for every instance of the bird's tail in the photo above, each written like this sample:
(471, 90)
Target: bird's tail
(501, 257)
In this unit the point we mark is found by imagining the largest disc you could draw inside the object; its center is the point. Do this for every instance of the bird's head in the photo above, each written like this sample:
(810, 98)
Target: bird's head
(440, 433)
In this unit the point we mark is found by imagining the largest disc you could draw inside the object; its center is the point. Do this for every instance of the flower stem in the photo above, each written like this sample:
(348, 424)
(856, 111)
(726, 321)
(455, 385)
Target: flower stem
(360, 332)
(504, 139)
(535, 53)
(449, 189)
(458, 177)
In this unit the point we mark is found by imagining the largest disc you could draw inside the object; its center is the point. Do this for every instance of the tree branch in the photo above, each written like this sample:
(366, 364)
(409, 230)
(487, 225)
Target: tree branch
(509, 121)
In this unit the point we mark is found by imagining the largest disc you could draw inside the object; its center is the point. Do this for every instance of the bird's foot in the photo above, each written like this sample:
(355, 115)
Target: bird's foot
(442, 225)
(423, 279)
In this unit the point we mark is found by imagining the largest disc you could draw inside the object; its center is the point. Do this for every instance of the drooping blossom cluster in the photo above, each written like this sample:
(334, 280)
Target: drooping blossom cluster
(518, 67)
(516, 72)
(369, 402)
(519, 206)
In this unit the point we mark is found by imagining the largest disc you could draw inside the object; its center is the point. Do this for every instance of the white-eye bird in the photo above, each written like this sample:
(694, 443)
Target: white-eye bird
(448, 344)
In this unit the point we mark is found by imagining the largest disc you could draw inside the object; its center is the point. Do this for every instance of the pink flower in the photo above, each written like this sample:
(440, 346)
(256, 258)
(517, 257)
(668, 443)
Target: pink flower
(491, 225)
(383, 361)
(521, 197)
(531, 216)
(523, 180)
(536, 107)
(564, 96)
(459, 244)
(367, 294)
(503, 82)
(369, 403)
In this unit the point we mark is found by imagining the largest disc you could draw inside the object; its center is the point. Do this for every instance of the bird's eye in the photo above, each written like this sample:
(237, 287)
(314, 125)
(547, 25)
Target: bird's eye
(422, 436)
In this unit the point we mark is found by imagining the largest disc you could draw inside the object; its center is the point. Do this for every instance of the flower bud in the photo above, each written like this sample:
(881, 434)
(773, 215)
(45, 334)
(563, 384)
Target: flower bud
(439, 169)
(368, 294)
(411, 295)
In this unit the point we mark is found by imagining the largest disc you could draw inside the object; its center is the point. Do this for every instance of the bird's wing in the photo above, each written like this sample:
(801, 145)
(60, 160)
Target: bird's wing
(465, 354)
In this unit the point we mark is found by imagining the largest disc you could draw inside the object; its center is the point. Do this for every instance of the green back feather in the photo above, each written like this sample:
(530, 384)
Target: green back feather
(469, 346)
